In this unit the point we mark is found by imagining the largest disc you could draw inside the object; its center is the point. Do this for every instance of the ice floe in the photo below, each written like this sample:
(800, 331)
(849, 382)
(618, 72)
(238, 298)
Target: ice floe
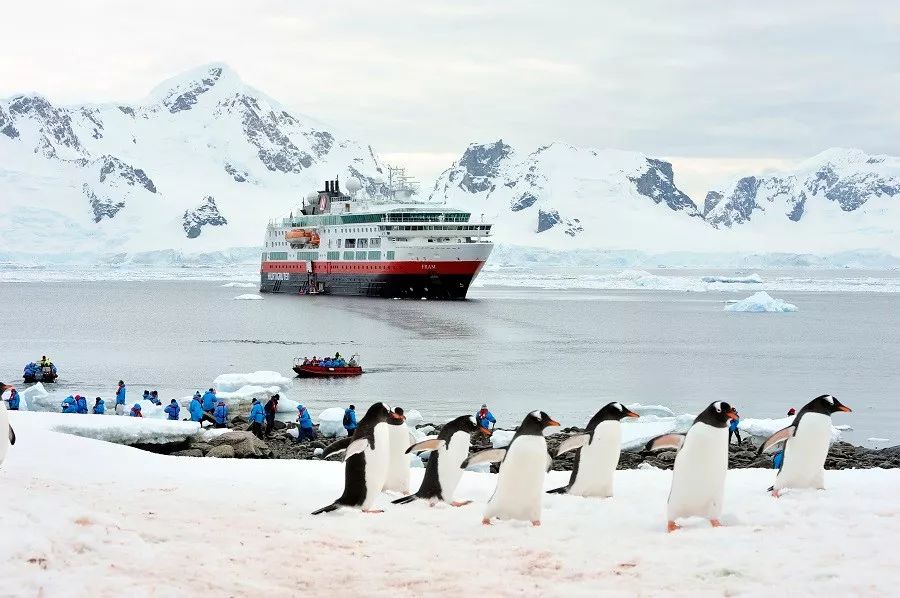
(248, 297)
(761, 302)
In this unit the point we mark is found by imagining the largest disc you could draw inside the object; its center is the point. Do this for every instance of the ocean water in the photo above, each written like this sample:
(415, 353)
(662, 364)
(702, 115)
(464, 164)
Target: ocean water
(566, 351)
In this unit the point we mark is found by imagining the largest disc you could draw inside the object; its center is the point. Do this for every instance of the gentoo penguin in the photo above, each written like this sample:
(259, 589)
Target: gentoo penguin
(598, 453)
(7, 435)
(806, 443)
(398, 462)
(365, 460)
(523, 464)
(698, 479)
(443, 471)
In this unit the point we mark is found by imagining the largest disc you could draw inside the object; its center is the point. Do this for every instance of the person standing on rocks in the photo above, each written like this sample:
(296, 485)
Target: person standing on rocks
(172, 410)
(220, 413)
(271, 410)
(350, 420)
(305, 431)
(257, 415)
(120, 398)
(99, 406)
(733, 429)
(209, 401)
(484, 418)
(196, 408)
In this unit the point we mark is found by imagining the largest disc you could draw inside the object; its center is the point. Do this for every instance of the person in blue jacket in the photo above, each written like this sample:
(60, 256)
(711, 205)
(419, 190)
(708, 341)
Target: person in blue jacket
(484, 418)
(120, 398)
(99, 406)
(173, 409)
(209, 401)
(733, 430)
(146, 396)
(81, 404)
(136, 411)
(778, 459)
(220, 413)
(196, 408)
(350, 420)
(257, 417)
(305, 431)
(69, 405)
(14, 400)
(154, 398)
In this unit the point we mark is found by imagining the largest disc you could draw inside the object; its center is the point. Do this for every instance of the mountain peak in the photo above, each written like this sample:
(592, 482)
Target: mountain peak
(183, 91)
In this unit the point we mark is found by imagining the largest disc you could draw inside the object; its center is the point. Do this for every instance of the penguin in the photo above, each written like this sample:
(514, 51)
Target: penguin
(397, 479)
(806, 443)
(443, 471)
(598, 453)
(698, 478)
(523, 465)
(366, 456)
(7, 434)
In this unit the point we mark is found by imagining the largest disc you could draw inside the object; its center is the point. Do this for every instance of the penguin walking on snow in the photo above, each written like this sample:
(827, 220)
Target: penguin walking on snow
(523, 465)
(7, 435)
(443, 471)
(806, 443)
(598, 453)
(366, 456)
(698, 478)
(397, 479)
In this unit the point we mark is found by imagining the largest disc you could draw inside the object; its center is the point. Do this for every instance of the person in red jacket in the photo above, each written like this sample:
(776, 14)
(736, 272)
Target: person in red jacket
(792, 411)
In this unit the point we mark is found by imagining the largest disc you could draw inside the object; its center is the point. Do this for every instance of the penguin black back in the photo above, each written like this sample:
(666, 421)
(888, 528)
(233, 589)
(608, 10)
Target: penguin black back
(611, 411)
(717, 415)
(534, 425)
(431, 485)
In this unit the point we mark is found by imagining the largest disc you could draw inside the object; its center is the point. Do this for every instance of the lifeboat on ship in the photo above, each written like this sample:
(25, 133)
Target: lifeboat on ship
(324, 369)
(302, 236)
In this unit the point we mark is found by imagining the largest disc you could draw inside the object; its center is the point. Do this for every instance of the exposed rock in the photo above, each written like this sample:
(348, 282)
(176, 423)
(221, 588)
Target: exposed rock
(658, 183)
(479, 164)
(110, 166)
(102, 208)
(191, 452)
(206, 214)
(239, 176)
(223, 451)
(547, 220)
(184, 100)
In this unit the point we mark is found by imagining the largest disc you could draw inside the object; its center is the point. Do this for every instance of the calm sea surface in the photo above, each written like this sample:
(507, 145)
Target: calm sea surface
(567, 352)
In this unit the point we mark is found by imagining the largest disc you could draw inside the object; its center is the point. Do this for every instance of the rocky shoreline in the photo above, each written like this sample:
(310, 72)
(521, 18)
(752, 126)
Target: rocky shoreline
(238, 442)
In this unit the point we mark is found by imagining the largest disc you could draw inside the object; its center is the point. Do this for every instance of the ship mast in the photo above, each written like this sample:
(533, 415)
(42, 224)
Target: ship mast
(400, 184)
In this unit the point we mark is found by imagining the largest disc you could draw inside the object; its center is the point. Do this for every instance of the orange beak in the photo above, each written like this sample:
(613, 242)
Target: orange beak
(552, 422)
(396, 416)
(732, 414)
(845, 409)
(630, 413)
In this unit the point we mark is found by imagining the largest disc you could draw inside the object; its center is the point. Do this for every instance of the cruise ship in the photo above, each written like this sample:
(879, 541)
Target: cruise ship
(337, 245)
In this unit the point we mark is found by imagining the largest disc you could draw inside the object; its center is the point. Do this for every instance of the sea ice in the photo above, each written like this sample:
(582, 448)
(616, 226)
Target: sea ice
(113, 428)
(331, 423)
(750, 279)
(234, 382)
(761, 302)
(249, 297)
(240, 285)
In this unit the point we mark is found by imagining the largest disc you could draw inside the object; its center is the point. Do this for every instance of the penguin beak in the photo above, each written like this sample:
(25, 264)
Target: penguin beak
(845, 409)
(552, 422)
(485, 431)
(630, 413)
(732, 414)
(396, 416)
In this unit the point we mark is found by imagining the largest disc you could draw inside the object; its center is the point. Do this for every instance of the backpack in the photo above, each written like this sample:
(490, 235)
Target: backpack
(347, 420)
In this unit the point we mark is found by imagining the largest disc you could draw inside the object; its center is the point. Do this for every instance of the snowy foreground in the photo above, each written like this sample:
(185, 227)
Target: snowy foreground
(83, 517)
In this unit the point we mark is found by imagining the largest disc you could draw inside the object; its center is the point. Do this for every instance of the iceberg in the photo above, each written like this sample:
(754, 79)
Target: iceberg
(502, 438)
(249, 297)
(761, 302)
(331, 423)
(240, 285)
(750, 279)
(234, 382)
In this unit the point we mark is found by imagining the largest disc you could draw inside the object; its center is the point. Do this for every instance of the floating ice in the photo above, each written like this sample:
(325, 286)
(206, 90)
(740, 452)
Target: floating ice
(761, 302)
(117, 429)
(750, 279)
(240, 285)
(249, 297)
(234, 382)
(502, 438)
(331, 423)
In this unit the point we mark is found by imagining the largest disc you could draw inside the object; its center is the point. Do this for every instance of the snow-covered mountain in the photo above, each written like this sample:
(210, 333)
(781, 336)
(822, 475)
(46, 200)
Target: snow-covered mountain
(564, 196)
(560, 196)
(200, 165)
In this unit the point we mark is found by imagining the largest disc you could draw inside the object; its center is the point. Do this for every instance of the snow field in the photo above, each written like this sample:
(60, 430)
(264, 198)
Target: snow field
(73, 530)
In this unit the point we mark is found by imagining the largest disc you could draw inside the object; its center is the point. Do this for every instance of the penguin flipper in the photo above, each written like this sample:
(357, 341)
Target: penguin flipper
(572, 443)
(332, 507)
(404, 500)
(776, 438)
(336, 447)
(355, 447)
(666, 441)
(432, 444)
(560, 490)
(485, 456)
(12, 435)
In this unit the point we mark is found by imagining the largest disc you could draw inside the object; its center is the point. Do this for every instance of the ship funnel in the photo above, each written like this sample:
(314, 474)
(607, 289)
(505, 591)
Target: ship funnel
(337, 185)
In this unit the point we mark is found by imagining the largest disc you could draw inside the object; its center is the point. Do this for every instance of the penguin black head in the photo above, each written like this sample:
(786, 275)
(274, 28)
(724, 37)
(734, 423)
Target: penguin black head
(613, 411)
(826, 404)
(717, 415)
(535, 422)
(379, 412)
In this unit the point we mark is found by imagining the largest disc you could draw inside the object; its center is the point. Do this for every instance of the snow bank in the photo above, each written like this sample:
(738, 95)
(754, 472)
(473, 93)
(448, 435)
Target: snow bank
(751, 279)
(502, 438)
(331, 423)
(245, 394)
(761, 302)
(637, 432)
(413, 418)
(654, 410)
(248, 297)
(234, 382)
(240, 285)
(763, 428)
(112, 428)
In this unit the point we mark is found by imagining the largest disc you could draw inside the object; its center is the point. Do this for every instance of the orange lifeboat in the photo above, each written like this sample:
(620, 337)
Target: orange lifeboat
(300, 236)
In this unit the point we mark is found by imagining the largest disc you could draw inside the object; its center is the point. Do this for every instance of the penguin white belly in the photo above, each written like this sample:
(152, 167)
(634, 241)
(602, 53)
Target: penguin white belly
(805, 453)
(698, 479)
(520, 483)
(597, 462)
(449, 461)
(377, 462)
(398, 468)
(4, 432)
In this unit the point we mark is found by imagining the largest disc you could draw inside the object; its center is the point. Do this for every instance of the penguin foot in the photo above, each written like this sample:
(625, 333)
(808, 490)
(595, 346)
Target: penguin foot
(460, 503)
(486, 521)
(432, 503)
(715, 523)
(776, 494)
(536, 523)
(672, 526)
(373, 511)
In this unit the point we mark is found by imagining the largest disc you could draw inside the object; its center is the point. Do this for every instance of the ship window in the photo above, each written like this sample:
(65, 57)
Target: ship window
(390, 255)
(339, 243)
(350, 243)
(360, 255)
(348, 255)
(376, 242)
(375, 255)
(362, 243)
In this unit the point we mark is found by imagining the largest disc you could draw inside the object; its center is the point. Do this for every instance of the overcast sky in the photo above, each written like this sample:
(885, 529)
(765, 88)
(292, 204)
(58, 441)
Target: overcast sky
(718, 87)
